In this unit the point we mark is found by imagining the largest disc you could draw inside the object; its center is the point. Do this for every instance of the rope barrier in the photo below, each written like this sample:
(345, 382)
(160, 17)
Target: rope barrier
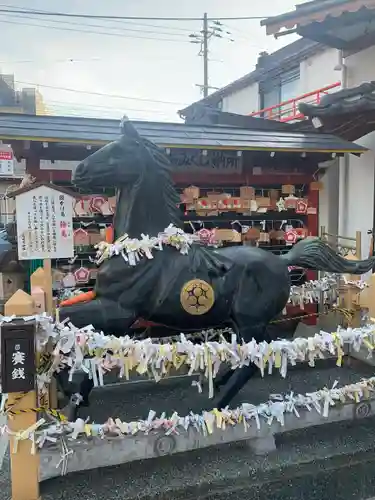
(347, 313)
(55, 413)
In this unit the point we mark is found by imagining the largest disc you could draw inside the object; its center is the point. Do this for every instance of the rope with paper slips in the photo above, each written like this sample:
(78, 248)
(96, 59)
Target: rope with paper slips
(273, 411)
(206, 358)
(45, 361)
(277, 359)
(57, 414)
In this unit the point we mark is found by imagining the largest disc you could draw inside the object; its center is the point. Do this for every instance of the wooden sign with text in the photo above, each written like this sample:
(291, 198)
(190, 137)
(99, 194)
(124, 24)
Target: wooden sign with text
(44, 223)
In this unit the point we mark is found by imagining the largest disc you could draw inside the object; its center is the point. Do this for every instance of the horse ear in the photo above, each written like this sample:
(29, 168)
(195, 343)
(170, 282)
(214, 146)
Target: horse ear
(124, 120)
(127, 129)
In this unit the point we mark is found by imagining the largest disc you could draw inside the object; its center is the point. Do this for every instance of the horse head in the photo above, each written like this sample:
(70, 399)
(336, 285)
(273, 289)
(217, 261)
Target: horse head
(147, 201)
(118, 163)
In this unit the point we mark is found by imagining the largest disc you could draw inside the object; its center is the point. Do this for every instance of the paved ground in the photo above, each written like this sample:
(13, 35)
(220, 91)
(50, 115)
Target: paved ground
(309, 461)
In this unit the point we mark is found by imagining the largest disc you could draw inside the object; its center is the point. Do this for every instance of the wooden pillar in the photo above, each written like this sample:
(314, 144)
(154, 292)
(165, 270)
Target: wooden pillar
(48, 285)
(24, 465)
(32, 163)
(367, 297)
(358, 245)
(41, 290)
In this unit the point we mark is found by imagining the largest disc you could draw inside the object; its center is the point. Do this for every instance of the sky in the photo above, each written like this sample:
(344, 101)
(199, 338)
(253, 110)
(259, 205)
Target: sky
(146, 69)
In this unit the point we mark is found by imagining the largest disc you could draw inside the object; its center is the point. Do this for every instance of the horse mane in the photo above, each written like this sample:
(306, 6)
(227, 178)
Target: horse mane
(161, 163)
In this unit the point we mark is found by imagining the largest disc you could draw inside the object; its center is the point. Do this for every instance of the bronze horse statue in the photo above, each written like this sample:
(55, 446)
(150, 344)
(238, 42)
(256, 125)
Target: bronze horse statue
(247, 286)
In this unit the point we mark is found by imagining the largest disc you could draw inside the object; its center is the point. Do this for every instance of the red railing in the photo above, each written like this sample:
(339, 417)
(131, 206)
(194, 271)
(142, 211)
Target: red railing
(287, 111)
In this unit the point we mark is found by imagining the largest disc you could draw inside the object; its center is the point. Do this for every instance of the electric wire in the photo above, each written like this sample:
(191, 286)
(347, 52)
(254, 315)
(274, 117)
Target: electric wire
(90, 25)
(101, 94)
(106, 33)
(95, 107)
(120, 22)
(139, 18)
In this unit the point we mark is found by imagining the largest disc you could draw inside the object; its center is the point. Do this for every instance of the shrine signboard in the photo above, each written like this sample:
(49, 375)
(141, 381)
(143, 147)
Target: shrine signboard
(219, 162)
(44, 216)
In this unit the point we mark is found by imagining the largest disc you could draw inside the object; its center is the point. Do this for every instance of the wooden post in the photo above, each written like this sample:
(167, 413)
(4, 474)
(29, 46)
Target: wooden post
(24, 465)
(358, 245)
(366, 300)
(48, 285)
(367, 297)
(41, 280)
(37, 278)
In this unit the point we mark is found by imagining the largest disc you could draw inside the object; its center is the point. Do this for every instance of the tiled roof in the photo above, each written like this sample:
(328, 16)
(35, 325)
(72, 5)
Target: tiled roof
(100, 131)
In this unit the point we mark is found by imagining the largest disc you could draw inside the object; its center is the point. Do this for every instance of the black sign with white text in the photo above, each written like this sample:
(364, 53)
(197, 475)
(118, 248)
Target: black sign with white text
(18, 370)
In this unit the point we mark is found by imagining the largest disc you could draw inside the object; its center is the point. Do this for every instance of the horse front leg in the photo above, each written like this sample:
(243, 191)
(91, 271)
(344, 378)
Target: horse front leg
(223, 378)
(105, 315)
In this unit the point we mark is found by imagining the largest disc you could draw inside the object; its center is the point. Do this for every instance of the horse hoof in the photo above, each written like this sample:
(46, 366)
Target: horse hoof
(70, 411)
(217, 388)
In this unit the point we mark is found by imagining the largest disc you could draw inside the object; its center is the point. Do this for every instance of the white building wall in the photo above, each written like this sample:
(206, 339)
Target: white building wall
(358, 215)
(315, 72)
(360, 67)
(355, 210)
(243, 102)
(357, 196)
(319, 71)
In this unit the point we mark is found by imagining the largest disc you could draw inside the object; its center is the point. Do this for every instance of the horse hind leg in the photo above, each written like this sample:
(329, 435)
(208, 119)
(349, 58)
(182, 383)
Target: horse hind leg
(236, 379)
(104, 314)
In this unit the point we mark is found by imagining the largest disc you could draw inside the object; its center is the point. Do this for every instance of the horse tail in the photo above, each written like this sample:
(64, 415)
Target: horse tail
(314, 254)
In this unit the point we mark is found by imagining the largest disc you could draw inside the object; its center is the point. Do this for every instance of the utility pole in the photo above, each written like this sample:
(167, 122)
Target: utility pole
(214, 29)
(205, 55)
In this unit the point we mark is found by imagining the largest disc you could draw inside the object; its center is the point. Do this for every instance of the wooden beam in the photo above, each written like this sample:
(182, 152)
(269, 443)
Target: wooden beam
(363, 42)
(313, 33)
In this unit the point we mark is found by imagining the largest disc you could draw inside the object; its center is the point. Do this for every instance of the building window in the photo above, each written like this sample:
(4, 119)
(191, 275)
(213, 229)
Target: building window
(276, 90)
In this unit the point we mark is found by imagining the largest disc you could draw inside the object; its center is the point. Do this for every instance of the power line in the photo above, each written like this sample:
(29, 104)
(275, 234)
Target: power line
(51, 61)
(123, 30)
(118, 35)
(174, 28)
(101, 94)
(161, 26)
(72, 60)
(138, 18)
(77, 106)
(79, 115)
